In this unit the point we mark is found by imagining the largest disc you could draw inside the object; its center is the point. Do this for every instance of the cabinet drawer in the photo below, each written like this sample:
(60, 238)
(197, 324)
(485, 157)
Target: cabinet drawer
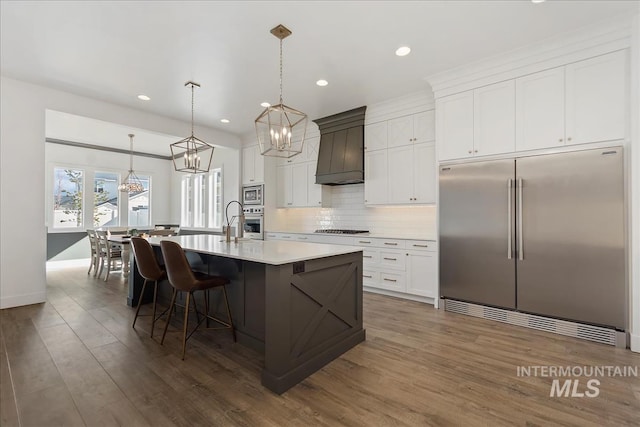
(370, 258)
(392, 259)
(391, 244)
(370, 278)
(421, 245)
(392, 281)
(302, 238)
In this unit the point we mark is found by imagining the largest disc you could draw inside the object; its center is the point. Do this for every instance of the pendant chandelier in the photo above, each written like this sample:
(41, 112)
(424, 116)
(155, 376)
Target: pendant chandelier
(191, 154)
(281, 129)
(131, 183)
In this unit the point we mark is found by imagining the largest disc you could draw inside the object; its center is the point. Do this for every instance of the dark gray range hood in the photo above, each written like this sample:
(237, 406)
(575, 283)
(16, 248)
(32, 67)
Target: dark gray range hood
(341, 153)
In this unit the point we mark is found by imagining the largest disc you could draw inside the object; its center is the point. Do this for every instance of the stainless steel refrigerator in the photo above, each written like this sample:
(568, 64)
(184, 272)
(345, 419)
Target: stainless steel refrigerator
(540, 234)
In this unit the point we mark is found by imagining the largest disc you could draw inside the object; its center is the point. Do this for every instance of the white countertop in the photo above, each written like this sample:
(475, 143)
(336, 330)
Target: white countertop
(262, 251)
(416, 236)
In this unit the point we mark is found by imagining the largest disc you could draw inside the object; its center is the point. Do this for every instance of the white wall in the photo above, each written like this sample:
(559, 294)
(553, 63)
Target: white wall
(22, 154)
(634, 256)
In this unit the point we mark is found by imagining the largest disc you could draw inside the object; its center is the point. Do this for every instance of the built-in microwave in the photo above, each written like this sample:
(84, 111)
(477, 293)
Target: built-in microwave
(252, 195)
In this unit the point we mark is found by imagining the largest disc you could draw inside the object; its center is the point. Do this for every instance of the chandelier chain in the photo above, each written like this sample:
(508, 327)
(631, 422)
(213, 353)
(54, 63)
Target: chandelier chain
(192, 110)
(280, 71)
(130, 152)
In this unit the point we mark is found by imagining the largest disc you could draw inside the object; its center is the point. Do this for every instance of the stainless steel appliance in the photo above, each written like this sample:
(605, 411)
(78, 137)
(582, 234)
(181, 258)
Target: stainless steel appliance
(253, 195)
(340, 231)
(254, 222)
(540, 235)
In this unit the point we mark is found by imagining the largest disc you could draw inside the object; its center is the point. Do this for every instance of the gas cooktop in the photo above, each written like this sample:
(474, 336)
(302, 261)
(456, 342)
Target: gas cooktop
(340, 231)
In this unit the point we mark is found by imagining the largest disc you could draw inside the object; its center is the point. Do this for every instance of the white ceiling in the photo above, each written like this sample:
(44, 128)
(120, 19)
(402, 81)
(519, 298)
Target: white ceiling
(115, 50)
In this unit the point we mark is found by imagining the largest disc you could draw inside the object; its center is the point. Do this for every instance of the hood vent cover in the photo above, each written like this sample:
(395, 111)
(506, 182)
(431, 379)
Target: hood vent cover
(341, 153)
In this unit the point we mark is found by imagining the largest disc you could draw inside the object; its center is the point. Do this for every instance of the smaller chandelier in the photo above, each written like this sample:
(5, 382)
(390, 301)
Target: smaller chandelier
(281, 129)
(131, 183)
(191, 154)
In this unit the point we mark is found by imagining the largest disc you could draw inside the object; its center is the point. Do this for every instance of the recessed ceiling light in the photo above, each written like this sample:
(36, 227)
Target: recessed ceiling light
(265, 104)
(537, 1)
(322, 82)
(143, 97)
(224, 120)
(403, 51)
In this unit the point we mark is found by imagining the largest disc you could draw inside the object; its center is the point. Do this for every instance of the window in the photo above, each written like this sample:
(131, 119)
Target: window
(67, 198)
(139, 204)
(201, 200)
(105, 199)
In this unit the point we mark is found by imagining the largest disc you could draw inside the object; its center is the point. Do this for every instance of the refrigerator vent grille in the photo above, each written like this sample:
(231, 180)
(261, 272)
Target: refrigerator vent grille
(555, 326)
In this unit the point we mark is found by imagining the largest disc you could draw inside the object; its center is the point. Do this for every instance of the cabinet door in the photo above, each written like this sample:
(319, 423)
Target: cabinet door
(299, 186)
(258, 166)
(422, 274)
(596, 98)
(314, 190)
(284, 191)
(454, 129)
(400, 131)
(375, 177)
(400, 161)
(310, 151)
(424, 173)
(540, 110)
(424, 127)
(375, 136)
(494, 119)
(248, 168)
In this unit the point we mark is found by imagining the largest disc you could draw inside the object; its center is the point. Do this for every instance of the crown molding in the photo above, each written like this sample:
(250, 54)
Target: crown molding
(550, 53)
(401, 106)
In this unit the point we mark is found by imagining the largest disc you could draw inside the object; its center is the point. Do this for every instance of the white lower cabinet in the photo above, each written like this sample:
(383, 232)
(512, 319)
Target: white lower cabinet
(398, 267)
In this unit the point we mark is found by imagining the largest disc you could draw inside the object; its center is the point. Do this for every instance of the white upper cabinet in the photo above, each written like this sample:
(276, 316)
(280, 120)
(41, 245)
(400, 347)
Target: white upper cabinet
(375, 136)
(454, 126)
(540, 110)
(424, 173)
(375, 177)
(284, 182)
(252, 165)
(299, 184)
(596, 99)
(412, 129)
(400, 162)
(494, 119)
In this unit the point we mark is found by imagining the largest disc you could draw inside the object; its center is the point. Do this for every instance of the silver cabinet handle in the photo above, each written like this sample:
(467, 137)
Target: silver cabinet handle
(390, 244)
(391, 259)
(509, 249)
(363, 241)
(368, 277)
(302, 238)
(367, 256)
(421, 246)
(390, 280)
(520, 237)
(286, 237)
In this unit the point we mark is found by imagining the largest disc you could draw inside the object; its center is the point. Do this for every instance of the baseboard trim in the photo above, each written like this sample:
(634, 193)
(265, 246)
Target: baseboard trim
(20, 300)
(635, 342)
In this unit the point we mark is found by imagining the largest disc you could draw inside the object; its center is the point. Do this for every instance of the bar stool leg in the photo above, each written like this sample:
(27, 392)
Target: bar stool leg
(155, 295)
(186, 321)
(226, 300)
(173, 301)
(144, 285)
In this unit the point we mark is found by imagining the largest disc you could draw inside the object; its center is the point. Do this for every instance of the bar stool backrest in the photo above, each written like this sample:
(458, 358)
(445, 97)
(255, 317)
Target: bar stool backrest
(179, 271)
(146, 259)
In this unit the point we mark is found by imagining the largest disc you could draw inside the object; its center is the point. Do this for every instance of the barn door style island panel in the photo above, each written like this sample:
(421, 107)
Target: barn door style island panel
(299, 304)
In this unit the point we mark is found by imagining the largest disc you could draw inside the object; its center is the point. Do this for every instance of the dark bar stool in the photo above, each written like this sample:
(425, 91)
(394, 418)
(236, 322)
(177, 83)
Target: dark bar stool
(150, 270)
(184, 279)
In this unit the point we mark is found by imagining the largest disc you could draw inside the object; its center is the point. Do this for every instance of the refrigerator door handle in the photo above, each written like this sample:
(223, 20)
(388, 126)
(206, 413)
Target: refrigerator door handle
(520, 237)
(509, 232)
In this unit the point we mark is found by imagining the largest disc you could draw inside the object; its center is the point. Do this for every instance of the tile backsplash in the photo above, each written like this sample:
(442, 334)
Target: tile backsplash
(348, 211)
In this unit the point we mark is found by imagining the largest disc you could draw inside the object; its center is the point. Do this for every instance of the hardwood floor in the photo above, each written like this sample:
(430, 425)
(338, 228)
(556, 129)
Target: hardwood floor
(75, 360)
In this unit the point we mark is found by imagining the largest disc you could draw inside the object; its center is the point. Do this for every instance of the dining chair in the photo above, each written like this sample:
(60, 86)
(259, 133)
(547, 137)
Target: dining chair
(183, 279)
(109, 253)
(95, 259)
(150, 270)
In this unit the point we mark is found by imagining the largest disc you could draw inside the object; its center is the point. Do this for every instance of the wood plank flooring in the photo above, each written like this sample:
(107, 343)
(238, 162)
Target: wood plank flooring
(75, 360)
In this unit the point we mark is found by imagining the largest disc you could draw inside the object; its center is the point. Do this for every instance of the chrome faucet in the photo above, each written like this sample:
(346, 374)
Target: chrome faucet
(240, 231)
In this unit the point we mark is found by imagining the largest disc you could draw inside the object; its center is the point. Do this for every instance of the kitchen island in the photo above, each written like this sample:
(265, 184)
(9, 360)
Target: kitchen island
(299, 304)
